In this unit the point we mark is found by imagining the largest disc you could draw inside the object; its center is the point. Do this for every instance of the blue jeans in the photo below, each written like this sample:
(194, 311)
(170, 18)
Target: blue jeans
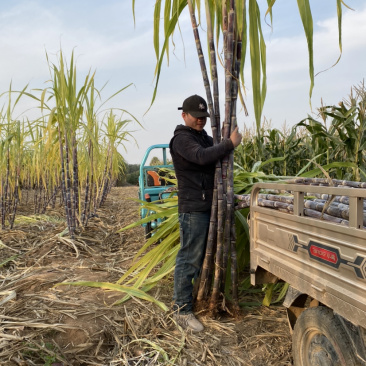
(193, 237)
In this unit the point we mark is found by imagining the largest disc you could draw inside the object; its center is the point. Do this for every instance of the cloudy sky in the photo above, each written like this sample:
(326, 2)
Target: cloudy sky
(104, 38)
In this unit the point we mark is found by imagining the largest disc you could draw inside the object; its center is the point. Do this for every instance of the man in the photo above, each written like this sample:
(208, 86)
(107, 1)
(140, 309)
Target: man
(194, 159)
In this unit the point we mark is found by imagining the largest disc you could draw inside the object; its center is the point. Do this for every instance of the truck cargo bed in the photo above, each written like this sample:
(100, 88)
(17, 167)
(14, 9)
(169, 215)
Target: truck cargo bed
(322, 259)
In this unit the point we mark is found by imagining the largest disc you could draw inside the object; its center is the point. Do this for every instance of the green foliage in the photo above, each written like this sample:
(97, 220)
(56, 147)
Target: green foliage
(248, 23)
(130, 291)
(7, 260)
(133, 178)
(337, 142)
(130, 175)
(46, 354)
(272, 289)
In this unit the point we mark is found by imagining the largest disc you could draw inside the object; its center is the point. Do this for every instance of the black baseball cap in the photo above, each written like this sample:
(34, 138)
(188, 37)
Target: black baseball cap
(196, 106)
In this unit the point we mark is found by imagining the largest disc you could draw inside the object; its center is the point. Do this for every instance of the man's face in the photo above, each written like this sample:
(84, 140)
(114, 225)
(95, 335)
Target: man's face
(193, 122)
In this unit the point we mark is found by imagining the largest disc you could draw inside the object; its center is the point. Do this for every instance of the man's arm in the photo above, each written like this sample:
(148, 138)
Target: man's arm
(192, 151)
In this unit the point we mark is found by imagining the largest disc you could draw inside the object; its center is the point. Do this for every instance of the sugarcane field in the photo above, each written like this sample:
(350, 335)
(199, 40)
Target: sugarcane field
(180, 185)
(44, 324)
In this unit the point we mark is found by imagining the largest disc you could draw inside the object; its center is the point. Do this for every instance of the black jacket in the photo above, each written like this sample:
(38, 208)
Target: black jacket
(194, 158)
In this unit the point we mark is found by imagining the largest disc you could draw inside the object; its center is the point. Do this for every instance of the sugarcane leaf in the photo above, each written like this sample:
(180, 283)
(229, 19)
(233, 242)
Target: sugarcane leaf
(243, 222)
(315, 172)
(154, 346)
(131, 291)
(270, 4)
(268, 288)
(149, 218)
(256, 61)
(7, 260)
(282, 293)
(157, 26)
(307, 22)
(150, 259)
(181, 4)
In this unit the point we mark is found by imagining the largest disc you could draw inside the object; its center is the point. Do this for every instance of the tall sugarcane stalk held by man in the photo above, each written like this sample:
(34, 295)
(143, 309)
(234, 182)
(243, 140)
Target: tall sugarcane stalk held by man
(194, 158)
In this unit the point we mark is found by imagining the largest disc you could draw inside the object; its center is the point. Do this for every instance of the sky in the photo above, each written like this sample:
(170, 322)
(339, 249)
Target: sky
(104, 38)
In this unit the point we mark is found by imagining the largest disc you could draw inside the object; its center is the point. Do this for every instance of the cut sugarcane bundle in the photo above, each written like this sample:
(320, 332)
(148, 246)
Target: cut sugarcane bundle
(321, 207)
(325, 182)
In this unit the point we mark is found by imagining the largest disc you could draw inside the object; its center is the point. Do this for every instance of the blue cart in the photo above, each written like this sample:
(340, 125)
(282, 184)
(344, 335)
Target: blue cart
(151, 184)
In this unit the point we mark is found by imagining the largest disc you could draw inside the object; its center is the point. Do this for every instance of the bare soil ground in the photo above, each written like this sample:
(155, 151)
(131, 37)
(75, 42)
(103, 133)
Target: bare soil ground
(41, 324)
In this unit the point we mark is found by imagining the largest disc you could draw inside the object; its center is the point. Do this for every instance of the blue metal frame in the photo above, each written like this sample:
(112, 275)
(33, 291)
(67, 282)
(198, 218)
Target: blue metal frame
(143, 187)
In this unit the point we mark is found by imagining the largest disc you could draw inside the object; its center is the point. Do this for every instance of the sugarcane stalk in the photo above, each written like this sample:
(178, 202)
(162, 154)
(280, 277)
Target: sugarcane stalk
(108, 183)
(202, 63)
(51, 198)
(335, 211)
(92, 186)
(206, 274)
(104, 178)
(75, 180)
(16, 200)
(2, 206)
(205, 283)
(325, 182)
(234, 265)
(215, 126)
(63, 176)
(223, 246)
(65, 182)
(214, 112)
(70, 210)
(86, 198)
(5, 194)
(228, 222)
(219, 255)
(35, 200)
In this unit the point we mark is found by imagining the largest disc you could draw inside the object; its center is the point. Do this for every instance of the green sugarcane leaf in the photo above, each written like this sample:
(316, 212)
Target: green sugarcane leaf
(155, 255)
(315, 172)
(149, 218)
(243, 222)
(7, 260)
(263, 53)
(255, 57)
(181, 4)
(154, 346)
(243, 36)
(131, 291)
(157, 26)
(282, 293)
(268, 288)
(307, 22)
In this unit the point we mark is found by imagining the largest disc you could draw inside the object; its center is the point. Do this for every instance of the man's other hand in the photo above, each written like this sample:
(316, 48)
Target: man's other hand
(236, 137)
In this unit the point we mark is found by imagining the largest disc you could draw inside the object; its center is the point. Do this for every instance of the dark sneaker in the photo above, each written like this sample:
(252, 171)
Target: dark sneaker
(189, 321)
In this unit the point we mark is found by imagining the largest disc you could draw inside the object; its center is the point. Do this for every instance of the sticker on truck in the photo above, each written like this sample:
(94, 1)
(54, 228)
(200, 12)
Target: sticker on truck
(328, 255)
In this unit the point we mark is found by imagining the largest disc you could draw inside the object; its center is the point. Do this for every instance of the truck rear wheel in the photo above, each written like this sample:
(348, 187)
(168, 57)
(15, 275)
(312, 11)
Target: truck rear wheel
(320, 340)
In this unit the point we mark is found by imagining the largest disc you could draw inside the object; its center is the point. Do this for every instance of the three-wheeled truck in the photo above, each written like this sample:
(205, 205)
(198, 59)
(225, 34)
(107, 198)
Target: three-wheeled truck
(151, 184)
(325, 265)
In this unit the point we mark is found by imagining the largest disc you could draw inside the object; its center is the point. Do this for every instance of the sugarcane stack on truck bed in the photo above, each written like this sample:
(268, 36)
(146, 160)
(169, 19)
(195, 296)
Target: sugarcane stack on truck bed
(325, 265)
